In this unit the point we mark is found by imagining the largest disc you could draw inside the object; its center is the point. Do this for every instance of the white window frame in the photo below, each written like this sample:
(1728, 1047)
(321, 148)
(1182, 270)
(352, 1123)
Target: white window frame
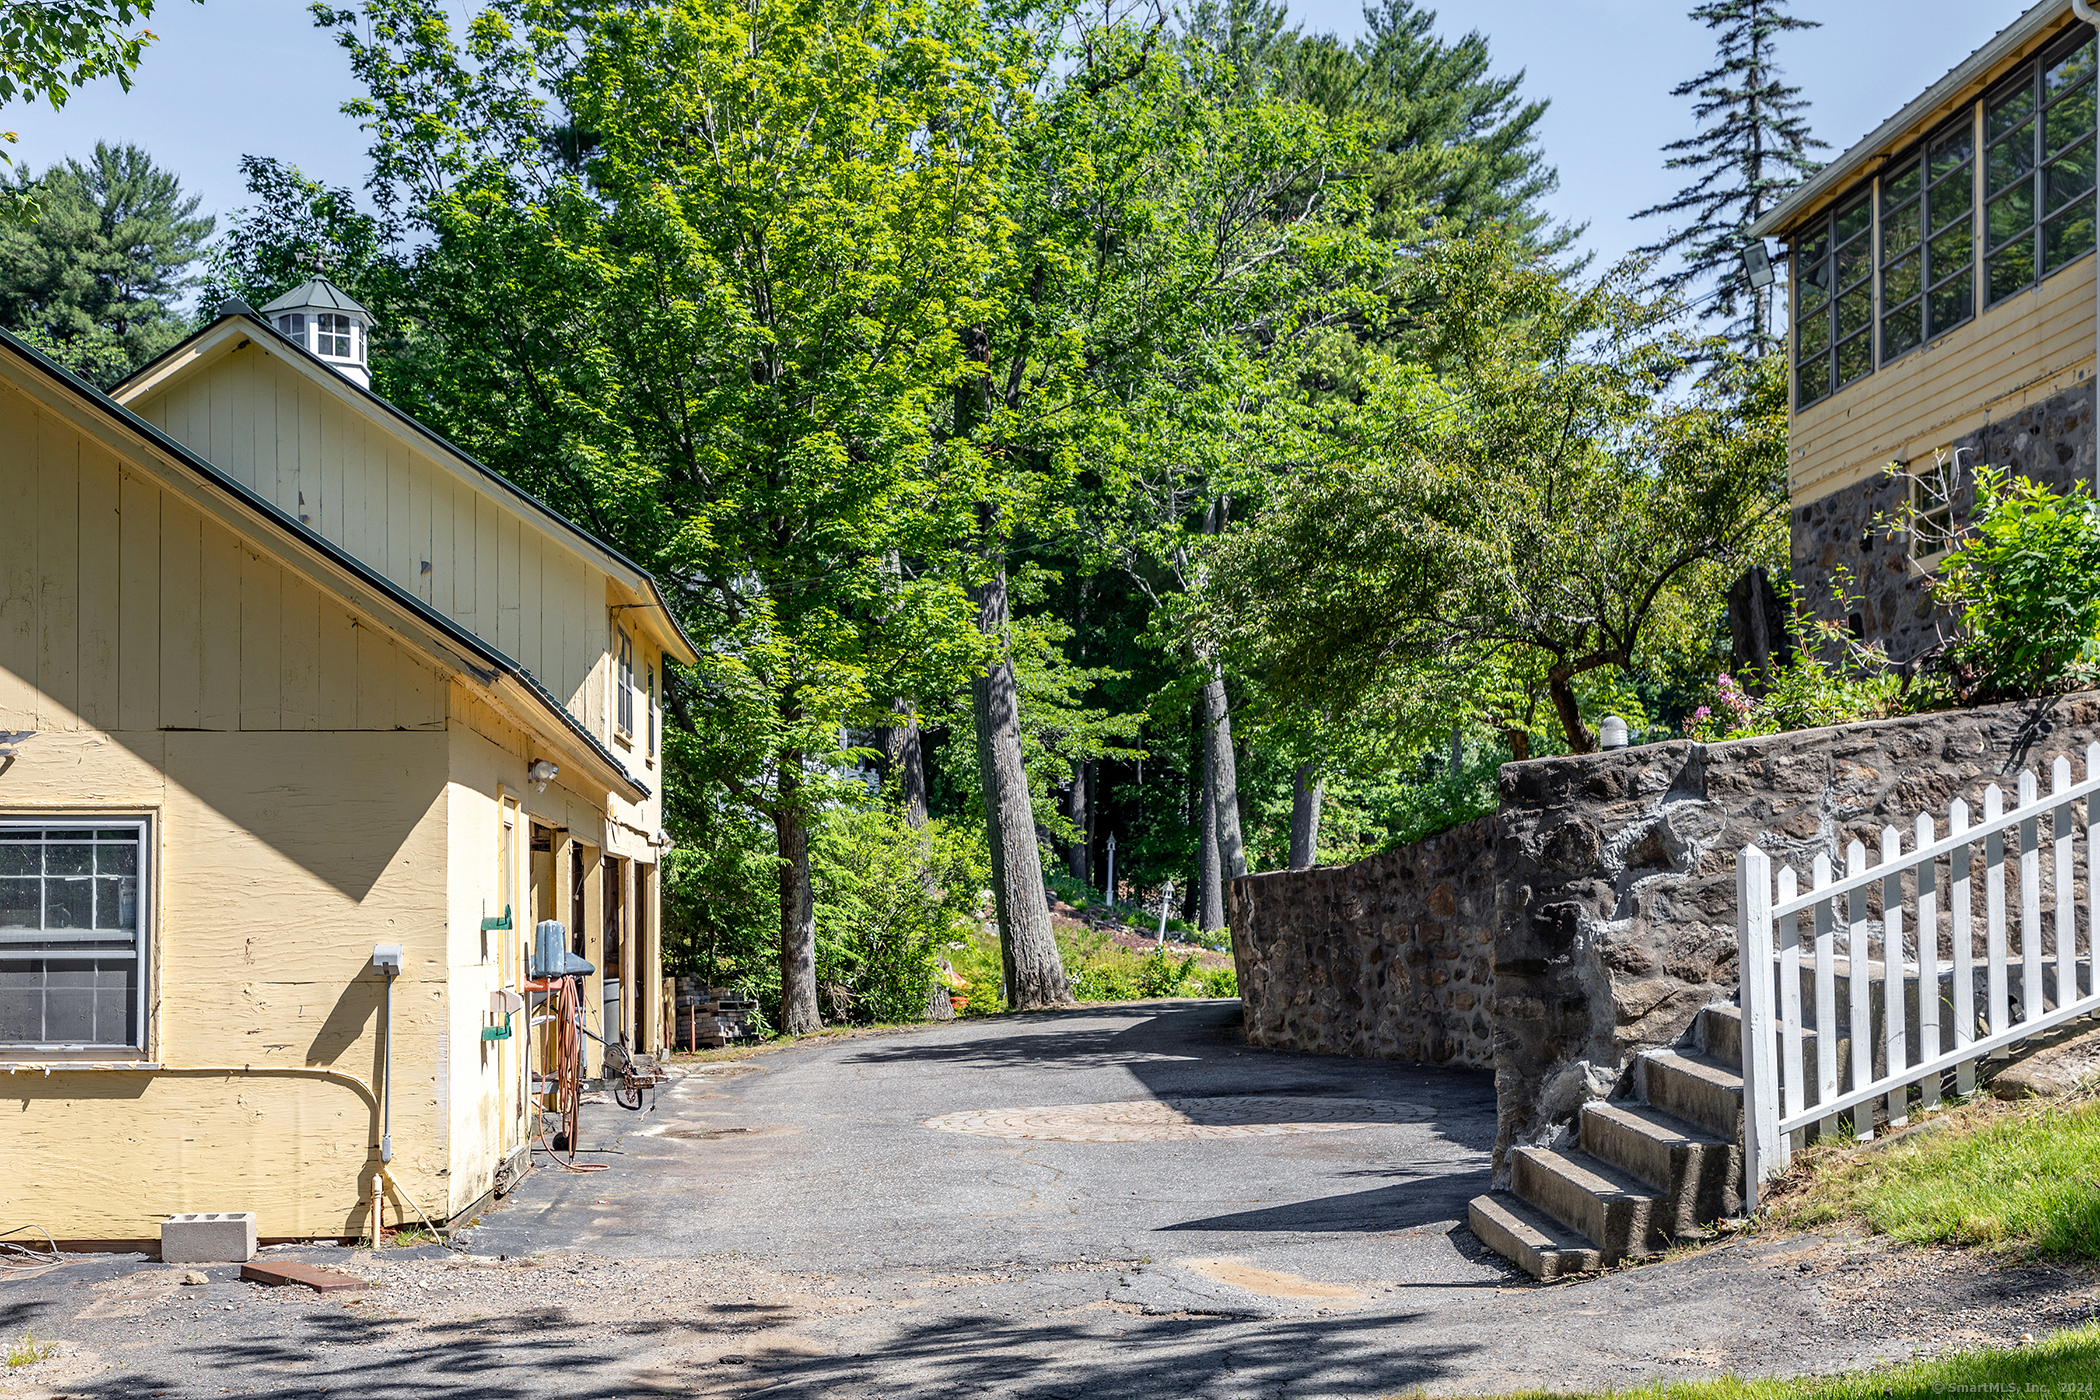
(141, 937)
(623, 682)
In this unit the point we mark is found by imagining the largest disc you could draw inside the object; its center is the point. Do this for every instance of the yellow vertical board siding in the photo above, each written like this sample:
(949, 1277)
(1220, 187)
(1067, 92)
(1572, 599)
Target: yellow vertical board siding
(58, 576)
(223, 554)
(479, 770)
(262, 644)
(299, 607)
(509, 584)
(2026, 348)
(139, 562)
(101, 581)
(181, 613)
(19, 478)
(402, 553)
(488, 564)
(338, 647)
(420, 481)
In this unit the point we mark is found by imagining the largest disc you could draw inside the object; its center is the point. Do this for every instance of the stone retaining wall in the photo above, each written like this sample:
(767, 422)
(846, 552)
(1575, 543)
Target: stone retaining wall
(1594, 915)
(1388, 957)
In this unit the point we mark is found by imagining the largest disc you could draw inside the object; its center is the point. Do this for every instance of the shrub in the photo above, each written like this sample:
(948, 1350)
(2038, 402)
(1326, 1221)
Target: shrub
(888, 898)
(2025, 581)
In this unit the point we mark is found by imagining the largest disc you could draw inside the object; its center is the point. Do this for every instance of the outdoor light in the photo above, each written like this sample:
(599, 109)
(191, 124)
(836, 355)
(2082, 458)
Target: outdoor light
(1111, 870)
(1612, 733)
(1757, 265)
(540, 774)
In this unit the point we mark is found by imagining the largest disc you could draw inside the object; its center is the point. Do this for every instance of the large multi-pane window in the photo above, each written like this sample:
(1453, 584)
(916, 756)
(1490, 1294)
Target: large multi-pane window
(72, 934)
(1928, 249)
(2039, 170)
(2037, 174)
(1834, 335)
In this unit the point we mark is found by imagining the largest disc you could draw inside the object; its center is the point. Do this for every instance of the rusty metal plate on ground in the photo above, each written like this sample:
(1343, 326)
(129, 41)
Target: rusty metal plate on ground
(320, 1280)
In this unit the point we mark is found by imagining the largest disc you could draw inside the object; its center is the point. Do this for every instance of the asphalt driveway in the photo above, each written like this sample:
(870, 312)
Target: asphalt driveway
(1106, 1202)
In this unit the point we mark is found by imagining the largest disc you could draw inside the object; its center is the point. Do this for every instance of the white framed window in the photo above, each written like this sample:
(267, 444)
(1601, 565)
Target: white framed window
(73, 922)
(335, 336)
(623, 681)
(649, 707)
(293, 325)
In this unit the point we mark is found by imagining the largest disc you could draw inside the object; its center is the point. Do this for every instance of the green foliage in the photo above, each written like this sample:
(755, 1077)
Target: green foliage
(1550, 505)
(2000, 1176)
(300, 228)
(888, 900)
(93, 280)
(1103, 970)
(26, 1350)
(50, 47)
(2025, 582)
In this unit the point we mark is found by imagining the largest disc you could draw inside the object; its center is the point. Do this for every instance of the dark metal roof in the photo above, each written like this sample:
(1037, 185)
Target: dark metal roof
(459, 636)
(317, 292)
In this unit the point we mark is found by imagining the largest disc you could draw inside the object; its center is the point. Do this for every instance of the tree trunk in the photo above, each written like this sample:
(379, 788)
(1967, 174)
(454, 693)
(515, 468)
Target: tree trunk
(1305, 817)
(1224, 774)
(1081, 811)
(906, 767)
(799, 1014)
(1035, 976)
(1562, 692)
(1210, 884)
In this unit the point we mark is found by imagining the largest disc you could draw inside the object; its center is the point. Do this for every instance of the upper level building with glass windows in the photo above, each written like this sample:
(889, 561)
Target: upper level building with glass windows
(1942, 308)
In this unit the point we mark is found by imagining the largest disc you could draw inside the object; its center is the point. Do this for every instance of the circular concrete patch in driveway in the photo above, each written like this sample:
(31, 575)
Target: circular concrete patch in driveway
(1178, 1120)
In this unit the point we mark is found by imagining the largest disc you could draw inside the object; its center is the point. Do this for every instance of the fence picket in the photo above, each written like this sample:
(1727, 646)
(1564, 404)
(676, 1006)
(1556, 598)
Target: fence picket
(1859, 981)
(1792, 1073)
(1928, 940)
(1894, 1021)
(2030, 904)
(2092, 843)
(1826, 994)
(1763, 1147)
(1994, 906)
(1959, 933)
(2060, 858)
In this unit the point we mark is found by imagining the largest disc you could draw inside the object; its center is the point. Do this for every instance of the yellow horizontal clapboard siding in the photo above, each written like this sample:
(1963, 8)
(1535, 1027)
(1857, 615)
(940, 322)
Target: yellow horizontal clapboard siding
(2025, 349)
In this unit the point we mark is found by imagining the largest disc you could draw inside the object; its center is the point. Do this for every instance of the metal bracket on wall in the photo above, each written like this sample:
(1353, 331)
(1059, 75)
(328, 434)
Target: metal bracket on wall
(488, 924)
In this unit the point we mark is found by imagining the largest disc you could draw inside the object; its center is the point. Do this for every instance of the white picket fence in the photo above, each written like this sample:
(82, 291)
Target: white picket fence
(1931, 1022)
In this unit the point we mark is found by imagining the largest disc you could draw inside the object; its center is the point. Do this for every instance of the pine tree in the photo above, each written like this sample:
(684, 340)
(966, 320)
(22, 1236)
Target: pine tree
(1753, 148)
(93, 280)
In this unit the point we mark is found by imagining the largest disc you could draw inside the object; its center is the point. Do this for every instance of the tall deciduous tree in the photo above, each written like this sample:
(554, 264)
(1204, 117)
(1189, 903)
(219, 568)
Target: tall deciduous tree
(94, 278)
(1754, 146)
(1547, 505)
(725, 276)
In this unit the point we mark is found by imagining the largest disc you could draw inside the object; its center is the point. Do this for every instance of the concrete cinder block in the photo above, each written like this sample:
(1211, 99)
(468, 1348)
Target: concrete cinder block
(209, 1237)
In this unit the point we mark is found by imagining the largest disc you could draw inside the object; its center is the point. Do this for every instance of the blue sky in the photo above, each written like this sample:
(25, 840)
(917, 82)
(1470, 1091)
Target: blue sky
(253, 76)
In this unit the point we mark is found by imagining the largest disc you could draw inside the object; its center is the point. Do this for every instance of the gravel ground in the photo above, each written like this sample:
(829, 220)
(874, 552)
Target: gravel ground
(789, 1225)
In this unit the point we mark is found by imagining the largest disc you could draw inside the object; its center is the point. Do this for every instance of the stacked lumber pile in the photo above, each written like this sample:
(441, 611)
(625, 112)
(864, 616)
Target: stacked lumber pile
(710, 1017)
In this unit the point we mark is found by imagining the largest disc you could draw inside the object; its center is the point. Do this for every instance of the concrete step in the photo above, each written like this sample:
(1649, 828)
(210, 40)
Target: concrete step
(1614, 1211)
(1700, 1176)
(1719, 1033)
(1695, 1087)
(1530, 1239)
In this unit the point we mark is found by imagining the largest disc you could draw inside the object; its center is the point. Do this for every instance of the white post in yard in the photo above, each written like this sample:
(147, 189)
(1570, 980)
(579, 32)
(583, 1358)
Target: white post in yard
(1893, 1019)
(1928, 937)
(2030, 904)
(1763, 1151)
(1111, 870)
(1164, 895)
(1859, 981)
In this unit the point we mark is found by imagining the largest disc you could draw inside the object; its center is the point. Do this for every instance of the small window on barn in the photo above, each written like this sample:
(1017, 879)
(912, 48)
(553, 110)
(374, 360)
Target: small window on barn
(293, 325)
(73, 922)
(623, 683)
(336, 336)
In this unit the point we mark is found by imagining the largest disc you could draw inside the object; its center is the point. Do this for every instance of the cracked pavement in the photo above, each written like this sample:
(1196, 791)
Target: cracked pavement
(1265, 1224)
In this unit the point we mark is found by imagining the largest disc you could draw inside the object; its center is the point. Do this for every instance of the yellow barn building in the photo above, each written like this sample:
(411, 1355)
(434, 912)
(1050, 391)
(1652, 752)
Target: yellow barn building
(286, 678)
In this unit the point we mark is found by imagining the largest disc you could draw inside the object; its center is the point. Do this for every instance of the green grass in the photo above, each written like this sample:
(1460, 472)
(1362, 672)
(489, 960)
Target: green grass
(26, 1350)
(2019, 1176)
(2062, 1366)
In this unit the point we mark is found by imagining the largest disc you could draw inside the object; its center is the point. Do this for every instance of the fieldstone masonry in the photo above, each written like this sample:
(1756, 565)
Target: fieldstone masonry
(1594, 915)
(2050, 442)
(1389, 957)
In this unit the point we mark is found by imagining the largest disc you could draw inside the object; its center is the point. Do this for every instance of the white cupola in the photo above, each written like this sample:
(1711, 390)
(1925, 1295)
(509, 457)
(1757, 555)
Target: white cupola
(322, 319)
